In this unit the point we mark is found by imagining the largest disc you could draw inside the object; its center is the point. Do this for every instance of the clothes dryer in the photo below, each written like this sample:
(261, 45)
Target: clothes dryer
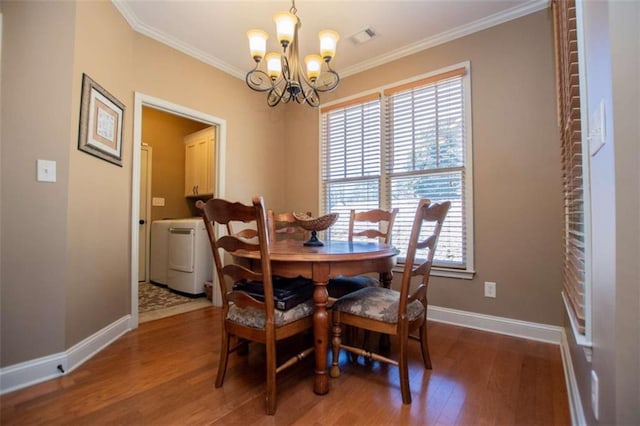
(190, 261)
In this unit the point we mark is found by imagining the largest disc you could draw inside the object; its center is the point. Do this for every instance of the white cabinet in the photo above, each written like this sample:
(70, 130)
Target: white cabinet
(198, 166)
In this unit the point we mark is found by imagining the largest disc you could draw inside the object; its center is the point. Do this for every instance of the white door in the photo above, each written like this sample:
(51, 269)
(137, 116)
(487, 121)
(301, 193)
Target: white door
(145, 197)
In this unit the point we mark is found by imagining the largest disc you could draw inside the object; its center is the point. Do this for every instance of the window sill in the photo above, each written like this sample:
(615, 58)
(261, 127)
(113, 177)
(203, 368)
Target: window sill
(444, 272)
(581, 339)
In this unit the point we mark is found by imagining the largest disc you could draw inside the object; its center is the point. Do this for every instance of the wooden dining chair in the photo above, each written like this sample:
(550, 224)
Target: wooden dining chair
(396, 313)
(283, 226)
(366, 225)
(245, 317)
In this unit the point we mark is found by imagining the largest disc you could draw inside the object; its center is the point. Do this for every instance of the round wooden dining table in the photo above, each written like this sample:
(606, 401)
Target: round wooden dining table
(290, 258)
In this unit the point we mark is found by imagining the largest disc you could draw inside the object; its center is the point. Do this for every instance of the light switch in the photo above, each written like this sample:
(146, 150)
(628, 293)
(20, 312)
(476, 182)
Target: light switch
(597, 134)
(157, 201)
(46, 171)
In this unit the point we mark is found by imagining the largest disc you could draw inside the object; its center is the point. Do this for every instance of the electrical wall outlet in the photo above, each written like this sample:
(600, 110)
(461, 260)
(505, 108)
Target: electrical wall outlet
(157, 201)
(489, 289)
(594, 393)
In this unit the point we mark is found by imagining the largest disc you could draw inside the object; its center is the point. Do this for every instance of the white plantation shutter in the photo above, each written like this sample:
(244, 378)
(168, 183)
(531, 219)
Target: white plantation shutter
(418, 148)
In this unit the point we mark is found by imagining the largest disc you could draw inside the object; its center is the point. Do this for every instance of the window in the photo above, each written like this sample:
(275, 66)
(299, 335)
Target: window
(575, 173)
(400, 144)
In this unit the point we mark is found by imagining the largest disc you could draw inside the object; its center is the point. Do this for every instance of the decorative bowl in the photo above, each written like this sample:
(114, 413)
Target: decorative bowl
(311, 223)
(315, 224)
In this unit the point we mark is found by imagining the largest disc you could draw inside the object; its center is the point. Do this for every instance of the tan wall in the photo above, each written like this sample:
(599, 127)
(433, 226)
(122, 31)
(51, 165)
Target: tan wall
(517, 199)
(164, 132)
(255, 141)
(36, 119)
(99, 211)
(66, 260)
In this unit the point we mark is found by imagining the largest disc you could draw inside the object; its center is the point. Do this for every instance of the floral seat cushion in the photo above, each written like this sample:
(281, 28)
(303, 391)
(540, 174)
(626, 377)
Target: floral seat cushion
(255, 318)
(377, 303)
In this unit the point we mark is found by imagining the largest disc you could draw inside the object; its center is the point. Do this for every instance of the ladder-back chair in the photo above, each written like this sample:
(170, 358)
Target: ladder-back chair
(371, 224)
(244, 316)
(392, 312)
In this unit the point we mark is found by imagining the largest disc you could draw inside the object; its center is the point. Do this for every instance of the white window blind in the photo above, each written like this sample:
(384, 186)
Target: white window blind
(425, 126)
(352, 161)
(573, 167)
(417, 148)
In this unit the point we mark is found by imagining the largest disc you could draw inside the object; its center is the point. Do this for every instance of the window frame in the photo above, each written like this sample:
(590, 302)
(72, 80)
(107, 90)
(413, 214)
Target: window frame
(468, 271)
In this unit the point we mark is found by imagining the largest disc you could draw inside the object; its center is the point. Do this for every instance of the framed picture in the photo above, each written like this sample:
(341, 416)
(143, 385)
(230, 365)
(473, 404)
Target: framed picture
(101, 117)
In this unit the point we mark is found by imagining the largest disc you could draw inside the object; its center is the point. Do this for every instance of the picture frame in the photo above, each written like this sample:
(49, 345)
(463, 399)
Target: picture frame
(101, 120)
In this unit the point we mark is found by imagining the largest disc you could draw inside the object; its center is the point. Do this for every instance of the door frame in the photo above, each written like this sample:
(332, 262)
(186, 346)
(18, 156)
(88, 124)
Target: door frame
(219, 154)
(147, 202)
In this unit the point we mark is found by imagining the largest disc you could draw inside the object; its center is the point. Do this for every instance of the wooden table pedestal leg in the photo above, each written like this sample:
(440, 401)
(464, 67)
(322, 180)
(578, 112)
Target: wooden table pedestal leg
(320, 333)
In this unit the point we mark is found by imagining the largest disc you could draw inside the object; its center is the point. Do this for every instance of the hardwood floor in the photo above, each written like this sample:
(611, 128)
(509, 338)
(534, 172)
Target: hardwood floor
(163, 374)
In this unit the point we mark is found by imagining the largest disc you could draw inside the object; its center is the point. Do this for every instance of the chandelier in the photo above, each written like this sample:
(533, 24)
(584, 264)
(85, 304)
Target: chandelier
(281, 74)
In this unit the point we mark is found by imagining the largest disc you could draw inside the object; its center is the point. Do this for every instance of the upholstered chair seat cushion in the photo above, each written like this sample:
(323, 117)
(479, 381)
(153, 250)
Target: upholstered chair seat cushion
(255, 318)
(377, 303)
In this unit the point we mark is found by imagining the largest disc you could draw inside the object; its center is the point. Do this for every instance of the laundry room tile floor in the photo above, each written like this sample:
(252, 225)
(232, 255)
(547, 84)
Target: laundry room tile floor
(156, 302)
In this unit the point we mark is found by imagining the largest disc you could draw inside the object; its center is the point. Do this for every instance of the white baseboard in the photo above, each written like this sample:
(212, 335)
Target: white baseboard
(501, 325)
(82, 351)
(575, 403)
(29, 373)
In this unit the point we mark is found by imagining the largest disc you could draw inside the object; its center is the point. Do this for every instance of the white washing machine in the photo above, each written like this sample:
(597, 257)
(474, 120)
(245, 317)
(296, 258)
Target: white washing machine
(159, 251)
(189, 260)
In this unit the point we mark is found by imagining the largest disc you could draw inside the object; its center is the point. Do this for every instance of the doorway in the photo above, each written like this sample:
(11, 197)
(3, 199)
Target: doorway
(218, 163)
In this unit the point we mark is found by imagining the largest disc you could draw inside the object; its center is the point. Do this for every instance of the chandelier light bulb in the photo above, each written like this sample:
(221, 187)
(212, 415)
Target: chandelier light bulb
(285, 27)
(314, 63)
(328, 42)
(274, 65)
(257, 44)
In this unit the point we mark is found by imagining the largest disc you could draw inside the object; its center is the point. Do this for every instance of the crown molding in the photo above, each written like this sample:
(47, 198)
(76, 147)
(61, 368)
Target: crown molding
(444, 37)
(198, 54)
(461, 31)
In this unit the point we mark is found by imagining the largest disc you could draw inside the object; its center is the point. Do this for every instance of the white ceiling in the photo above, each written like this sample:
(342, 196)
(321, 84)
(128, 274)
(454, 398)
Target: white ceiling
(214, 31)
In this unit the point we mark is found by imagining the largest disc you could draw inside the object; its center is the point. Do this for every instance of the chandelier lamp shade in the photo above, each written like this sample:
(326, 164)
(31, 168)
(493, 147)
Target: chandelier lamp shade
(281, 74)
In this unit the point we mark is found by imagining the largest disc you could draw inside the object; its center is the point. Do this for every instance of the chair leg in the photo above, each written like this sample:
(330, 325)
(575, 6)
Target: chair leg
(270, 399)
(424, 345)
(404, 371)
(224, 357)
(335, 346)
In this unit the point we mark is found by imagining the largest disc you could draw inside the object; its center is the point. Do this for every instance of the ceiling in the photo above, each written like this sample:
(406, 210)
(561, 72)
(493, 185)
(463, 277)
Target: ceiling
(214, 31)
